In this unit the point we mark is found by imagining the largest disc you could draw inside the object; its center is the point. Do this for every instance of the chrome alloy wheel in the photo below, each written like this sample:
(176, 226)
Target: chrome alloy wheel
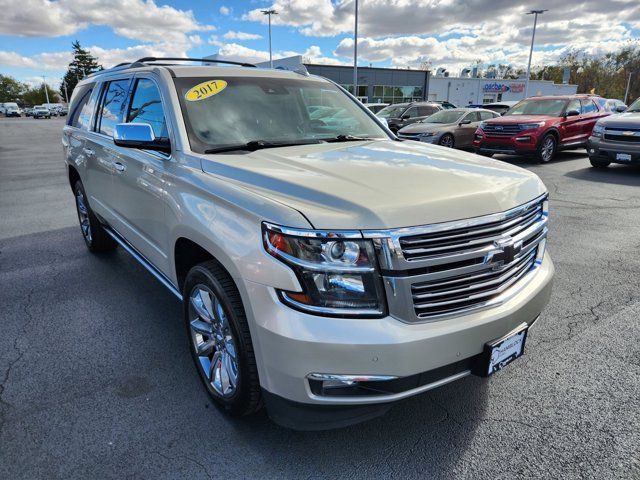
(213, 341)
(83, 215)
(547, 149)
(447, 141)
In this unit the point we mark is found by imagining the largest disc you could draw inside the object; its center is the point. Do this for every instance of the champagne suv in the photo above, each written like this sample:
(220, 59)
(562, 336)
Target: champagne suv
(326, 268)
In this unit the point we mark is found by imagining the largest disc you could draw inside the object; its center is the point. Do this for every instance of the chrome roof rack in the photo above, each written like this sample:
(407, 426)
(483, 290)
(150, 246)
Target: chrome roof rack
(143, 62)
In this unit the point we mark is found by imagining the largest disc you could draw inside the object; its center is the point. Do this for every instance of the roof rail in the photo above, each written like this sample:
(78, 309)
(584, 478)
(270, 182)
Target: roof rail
(185, 59)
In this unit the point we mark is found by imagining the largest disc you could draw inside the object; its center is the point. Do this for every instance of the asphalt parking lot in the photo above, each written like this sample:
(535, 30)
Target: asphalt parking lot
(97, 382)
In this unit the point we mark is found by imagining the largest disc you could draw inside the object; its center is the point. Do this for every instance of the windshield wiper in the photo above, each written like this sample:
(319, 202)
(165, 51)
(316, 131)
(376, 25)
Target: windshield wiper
(345, 138)
(254, 145)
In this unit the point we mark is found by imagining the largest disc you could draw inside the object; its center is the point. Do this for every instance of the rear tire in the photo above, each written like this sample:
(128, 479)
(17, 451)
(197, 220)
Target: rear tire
(221, 344)
(547, 148)
(94, 235)
(595, 163)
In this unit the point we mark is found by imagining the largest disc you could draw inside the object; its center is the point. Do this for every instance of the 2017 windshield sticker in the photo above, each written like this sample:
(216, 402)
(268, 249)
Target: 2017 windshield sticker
(205, 90)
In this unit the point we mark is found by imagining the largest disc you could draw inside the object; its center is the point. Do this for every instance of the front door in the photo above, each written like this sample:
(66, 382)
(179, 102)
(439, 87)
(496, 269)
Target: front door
(139, 181)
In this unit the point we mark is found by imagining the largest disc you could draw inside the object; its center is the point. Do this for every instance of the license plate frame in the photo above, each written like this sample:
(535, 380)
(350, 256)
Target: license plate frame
(499, 353)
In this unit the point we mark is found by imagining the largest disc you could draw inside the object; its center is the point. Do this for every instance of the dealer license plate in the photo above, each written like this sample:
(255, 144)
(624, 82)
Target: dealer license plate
(502, 351)
(623, 157)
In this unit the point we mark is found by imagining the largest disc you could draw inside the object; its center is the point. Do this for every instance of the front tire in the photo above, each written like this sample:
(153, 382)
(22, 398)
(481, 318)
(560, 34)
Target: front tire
(595, 163)
(447, 140)
(220, 340)
(94, 235)
(547, 148)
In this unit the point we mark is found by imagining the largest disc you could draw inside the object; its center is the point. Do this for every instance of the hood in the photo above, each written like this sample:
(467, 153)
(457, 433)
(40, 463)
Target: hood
(622, 120)
(511, 119)
(425, 127)
(378, 184)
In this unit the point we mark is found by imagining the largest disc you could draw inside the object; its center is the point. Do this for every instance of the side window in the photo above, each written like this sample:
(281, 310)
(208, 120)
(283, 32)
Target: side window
(472, 117)
(574, 105)
(146, 107)
(86, 112)
(425, 111)
(74, 118)
(588, 106)
(412, 112)
(487, 115)
(113, 102)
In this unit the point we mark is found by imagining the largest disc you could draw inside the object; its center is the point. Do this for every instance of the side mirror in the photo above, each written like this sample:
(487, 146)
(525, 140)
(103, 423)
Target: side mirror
(620, 108)
(139, 135)
(465, 122)
(572, 113)
(406, 116)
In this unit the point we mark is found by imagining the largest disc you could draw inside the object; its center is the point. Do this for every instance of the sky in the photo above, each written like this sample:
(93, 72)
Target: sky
(36, 35)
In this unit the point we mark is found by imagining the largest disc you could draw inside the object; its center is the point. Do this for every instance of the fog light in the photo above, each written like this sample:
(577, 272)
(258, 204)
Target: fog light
(523, 139)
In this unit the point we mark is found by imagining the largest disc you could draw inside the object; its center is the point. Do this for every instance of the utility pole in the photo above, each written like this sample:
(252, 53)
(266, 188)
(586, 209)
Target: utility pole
(66, 93)
(535, 14)
(626, 92)
(269, 13)
(44, 84)
(355, 54)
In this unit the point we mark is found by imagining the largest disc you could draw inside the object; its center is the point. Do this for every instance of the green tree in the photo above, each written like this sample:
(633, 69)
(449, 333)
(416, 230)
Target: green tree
(83, 64)
(36, 95)
(11, 90)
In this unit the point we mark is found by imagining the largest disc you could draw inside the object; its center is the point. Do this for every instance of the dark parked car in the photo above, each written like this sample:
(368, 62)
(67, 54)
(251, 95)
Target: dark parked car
(450, 128)
(540, 126)
(400, 115)
(616, 138)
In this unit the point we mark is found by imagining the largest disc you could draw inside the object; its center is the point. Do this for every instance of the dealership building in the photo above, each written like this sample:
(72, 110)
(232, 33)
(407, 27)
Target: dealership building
(393, 85)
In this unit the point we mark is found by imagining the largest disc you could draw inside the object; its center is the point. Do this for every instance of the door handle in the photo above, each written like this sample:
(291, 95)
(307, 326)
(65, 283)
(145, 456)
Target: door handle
(88, 151)
(119, 166)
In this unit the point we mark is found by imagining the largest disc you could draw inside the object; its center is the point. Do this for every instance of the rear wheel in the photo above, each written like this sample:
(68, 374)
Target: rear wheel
(220, 340)
(95, 237)
(547, 148)
(595, 163)
(447, 140)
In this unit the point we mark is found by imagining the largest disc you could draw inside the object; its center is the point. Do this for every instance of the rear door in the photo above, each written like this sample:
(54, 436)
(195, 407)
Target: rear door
(140, 177)
(572, 127)
(591, 114)
(465, 132)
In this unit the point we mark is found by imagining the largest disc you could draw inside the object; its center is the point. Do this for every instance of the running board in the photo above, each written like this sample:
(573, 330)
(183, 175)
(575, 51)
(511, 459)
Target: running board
(162, 278)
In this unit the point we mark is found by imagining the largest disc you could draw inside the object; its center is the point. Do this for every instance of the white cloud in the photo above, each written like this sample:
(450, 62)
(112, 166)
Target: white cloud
(224, 10)
(240, 53)
(232, 35)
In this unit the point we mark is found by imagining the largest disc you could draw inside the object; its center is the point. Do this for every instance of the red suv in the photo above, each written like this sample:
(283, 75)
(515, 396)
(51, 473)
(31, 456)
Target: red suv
(540, 126)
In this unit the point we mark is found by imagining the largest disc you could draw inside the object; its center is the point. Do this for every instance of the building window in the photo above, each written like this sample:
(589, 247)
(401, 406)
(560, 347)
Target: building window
(396, 94)
(362, 89)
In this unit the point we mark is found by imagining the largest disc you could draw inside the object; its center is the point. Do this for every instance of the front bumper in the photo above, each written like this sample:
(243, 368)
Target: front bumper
(290, 345)
(526, 145)
(607, 150)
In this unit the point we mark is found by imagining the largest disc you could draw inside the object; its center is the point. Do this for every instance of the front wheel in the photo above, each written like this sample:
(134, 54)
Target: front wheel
(447, 140)
(595, 163)
(547, 148)
(220, 340)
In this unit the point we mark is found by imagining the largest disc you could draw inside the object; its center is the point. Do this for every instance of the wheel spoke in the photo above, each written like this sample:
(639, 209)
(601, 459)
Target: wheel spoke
(199, 306)
(214, 371)
(206, 347)
(201, 327)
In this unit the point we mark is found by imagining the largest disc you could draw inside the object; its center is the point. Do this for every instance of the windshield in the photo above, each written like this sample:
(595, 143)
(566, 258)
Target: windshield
(444, 116)
(242, 110)
(536, 106)
(634, 107)
(392, 111)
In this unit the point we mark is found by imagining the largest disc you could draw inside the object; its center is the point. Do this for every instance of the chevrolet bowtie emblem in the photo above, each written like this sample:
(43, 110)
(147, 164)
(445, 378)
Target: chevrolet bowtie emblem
(629, 133)
(506, 251)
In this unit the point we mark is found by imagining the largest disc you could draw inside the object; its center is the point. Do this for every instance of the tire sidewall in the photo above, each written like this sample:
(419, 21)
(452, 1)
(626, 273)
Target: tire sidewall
(237, 402)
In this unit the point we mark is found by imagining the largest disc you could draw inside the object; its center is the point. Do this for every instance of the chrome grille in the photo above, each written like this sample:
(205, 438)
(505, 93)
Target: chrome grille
(501, 129)
(439, 270)
(622, 134)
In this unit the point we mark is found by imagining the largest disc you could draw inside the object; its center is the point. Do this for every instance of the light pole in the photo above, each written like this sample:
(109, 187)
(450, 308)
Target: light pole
(535, 14)
(44, 84)
(355, 55)
(269, 13)
(66, 93)
(626, 92)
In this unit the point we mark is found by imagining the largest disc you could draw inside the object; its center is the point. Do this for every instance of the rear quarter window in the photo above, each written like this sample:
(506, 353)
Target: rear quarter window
(78, 103)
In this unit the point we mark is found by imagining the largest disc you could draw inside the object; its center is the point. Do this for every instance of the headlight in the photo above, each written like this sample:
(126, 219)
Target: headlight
(426, 134)
(598, 130)
(337, 271)
(529, 126)
(482, 125)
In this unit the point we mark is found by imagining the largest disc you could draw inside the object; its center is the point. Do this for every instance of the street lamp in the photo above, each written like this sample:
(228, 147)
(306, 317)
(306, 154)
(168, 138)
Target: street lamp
(535, 14)
(44, 84)
(355, 54)
(269, 13)
(626, 92)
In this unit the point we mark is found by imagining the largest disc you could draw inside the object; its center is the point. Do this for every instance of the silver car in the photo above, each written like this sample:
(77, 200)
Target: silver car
(450, 128)
(325, 269)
